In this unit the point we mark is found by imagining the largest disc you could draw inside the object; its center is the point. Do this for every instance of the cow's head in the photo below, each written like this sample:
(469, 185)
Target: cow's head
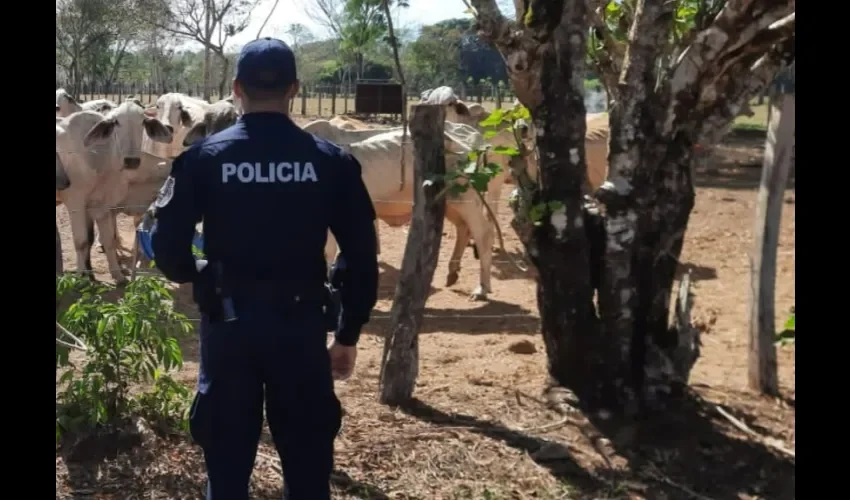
(103, 106)
(126, 124)
(218, 117)
(457, 111)
(170, 111)
(65, 104)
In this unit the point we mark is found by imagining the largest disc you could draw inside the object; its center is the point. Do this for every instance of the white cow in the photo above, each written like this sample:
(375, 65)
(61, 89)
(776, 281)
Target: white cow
(66, 104)
(218, 116)
(328, 130)
(380, 159)
(95, 151)
(472, 114)
(180, 113)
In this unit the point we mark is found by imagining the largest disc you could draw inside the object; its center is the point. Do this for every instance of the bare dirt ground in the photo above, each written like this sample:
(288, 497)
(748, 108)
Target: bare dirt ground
(478, 429)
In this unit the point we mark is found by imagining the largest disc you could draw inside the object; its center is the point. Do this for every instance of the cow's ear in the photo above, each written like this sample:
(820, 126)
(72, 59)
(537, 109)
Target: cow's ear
(100, 132)
(196, 133)
(461, 109)
(185, 118)
(157, 130)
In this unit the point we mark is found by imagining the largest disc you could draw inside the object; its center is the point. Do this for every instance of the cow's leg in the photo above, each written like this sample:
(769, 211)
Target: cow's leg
(82, 232)
(106, 225)
(482, 234)
(462, 236)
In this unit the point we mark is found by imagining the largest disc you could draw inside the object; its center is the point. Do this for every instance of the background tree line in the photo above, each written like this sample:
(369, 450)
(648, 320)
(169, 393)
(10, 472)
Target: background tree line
(104, 42)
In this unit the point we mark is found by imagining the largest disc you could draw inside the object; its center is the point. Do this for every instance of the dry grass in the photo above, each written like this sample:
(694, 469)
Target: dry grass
(478, 429)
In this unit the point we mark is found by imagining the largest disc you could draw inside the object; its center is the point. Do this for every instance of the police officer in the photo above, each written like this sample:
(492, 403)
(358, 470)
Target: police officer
(267, 193)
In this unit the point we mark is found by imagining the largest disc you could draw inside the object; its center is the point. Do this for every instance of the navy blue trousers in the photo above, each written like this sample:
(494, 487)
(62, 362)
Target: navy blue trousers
(284, 360)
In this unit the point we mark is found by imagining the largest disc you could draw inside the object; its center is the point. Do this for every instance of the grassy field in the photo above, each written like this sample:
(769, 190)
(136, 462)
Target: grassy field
(756, 122)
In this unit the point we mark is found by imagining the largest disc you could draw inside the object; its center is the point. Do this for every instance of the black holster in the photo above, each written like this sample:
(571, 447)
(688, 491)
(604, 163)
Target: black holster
(212, 295)
(332, 307)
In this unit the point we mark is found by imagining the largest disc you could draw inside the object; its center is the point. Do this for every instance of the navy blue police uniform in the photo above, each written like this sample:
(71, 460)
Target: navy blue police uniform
(267, 193)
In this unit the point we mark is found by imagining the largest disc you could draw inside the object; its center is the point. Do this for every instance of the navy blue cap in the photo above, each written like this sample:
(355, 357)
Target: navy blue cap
(266, 63)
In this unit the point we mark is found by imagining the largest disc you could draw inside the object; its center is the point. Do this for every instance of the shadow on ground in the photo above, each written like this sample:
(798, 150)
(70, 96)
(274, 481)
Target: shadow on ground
(583, 483)
(691, 450)
(698, 272)
(492, 317)
(686, 453)
(110, 463)
(505, 266)
(388, 279)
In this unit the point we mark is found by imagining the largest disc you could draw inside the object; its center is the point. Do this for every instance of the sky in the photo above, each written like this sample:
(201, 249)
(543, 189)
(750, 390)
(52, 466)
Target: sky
(420, 12)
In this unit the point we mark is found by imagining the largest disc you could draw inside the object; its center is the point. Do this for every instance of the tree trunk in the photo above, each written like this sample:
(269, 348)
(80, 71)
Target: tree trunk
(778, 154)
(225, 68)
(208, 33)
(207, 74)
(626, 242)
(400, 363)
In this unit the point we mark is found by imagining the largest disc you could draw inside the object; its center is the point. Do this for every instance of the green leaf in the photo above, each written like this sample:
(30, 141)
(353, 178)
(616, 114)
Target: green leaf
(479, 182)
(554, 205)
(489, 134)
(790, 324)
(493, 120)
(506, 150)
(470, 168)
(536, 213)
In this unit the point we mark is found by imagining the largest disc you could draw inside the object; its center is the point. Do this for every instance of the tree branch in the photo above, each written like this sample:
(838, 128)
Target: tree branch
(740, 33)
(632, 120)
(744, 82)
(610, 60)
(514, 43)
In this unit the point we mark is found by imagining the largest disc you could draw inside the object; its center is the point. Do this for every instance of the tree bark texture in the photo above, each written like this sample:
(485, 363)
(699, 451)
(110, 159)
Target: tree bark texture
(400, 363)
(625, 243)
(778, 154)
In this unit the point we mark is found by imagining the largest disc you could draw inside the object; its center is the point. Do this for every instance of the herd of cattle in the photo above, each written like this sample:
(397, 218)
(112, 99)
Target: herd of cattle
(113, 158)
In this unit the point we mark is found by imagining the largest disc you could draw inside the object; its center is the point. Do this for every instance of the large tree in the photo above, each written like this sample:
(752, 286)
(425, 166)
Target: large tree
(92, 38)
(670, 90)
(211, 23)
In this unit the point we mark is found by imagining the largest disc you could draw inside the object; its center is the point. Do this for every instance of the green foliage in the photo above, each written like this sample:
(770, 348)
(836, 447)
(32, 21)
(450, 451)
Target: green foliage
(474, 170)
(167, 405)
(788, 335)
(689, 15)
(130, 342)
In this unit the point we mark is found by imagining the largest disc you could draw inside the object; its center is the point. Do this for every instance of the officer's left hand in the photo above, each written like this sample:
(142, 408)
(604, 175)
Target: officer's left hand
(343, 358)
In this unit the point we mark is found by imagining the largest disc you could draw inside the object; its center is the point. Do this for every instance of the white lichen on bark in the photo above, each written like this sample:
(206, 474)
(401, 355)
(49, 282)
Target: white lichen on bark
(559, 221)
(617, 184)
(621, 229)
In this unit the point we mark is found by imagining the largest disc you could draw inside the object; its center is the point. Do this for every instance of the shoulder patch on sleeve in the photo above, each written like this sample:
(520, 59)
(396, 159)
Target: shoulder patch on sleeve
(166, 192)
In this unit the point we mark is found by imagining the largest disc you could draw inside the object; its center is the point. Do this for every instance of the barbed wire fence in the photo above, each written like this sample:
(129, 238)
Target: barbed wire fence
(386, 290)
(311, 100)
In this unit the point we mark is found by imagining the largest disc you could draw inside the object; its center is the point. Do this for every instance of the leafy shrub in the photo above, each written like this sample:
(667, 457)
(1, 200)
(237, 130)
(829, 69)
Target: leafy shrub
(129, 342)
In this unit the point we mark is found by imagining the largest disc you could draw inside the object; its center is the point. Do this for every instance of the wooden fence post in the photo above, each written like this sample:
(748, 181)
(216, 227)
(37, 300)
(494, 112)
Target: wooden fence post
(778, 153)
(333, 100)
(303, 101)
(400, 363)
(319, 112)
